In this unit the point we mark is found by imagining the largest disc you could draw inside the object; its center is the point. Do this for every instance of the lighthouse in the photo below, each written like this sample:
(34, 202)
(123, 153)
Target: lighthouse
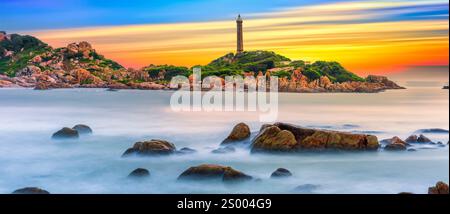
(240, 35)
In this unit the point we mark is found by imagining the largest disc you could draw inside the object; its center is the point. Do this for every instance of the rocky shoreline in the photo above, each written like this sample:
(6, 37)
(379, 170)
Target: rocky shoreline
(27, 62)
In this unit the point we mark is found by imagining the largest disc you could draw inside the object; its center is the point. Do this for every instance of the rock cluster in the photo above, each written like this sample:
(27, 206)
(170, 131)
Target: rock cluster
(282, 137)
(439, 188)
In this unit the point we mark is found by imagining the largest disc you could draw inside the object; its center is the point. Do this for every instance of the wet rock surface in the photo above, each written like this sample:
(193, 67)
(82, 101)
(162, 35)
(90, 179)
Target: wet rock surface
(65, 133)
(151, 148)
(281, 173)
(139, 173)
(31, 191)
(212, 172)
(239, 133)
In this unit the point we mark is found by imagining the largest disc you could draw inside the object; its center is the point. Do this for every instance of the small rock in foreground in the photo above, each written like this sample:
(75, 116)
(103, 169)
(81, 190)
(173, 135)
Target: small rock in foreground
(31, 191)
(439, 188)
(280, 173)
(139, 173)
(213, 172)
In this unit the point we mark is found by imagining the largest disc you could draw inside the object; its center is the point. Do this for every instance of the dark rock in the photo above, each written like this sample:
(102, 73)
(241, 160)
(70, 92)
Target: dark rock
(283, 137)
(433, 130)
(139, 173)
(306, 188)
(186, 150)
(394, 140)
(224, 150)
(30, 191)
(281, 172)
(151, 148)
(213, 172)
(411, 139)
(405, 193)
(239, 133)
(66, 133)
(440, 188)
(412, 150)
(395, 147)
(83, 129)
(423, 139)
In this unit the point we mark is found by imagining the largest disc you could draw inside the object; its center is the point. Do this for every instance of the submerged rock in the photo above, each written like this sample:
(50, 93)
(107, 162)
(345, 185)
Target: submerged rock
(139, 173)
(151, 148)
(30, 191)
(186, 150)
(212, 172)
(224, 150)
(282, 137)
(280, 173)
(239, 133)
(433, 130)
(306, 188)
(83, 129)
(65, 133)
(439, 188)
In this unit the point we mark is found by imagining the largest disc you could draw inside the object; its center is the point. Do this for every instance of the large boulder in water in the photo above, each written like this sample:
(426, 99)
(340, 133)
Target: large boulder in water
(65, 133)
(281, 173)
(282, 137)
(213, 172)
(240, 132)
(440, 188)
(83, 129)
(151, 148)
(30, 191)
(139, 173)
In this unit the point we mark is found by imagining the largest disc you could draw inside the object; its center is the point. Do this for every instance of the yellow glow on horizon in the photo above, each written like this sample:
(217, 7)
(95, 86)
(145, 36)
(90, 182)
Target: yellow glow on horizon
(362, 47)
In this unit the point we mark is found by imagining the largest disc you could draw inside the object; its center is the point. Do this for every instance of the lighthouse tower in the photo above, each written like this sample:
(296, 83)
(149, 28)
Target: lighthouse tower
(240, 35)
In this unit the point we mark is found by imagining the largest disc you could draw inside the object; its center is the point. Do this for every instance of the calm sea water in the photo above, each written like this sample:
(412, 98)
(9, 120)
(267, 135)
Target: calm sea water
(28, 157)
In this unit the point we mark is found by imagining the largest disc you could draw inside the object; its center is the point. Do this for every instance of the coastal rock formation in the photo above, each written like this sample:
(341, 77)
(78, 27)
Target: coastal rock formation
(282, 137)
(65, 133)
(30, 191)
(418, 139)
(78, 65)
(395, 144)
(83, 129)
(213, 172)
(280, 173)
(439, 188)
(151, 148)
(239, 133)
(139, 173)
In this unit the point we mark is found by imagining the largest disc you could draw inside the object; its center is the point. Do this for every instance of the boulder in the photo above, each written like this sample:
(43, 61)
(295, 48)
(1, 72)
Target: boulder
(287, 138)
(83, 129)
(423, 139)
(439, 188)
(224, 150)
(139, 173)
(411, 139)
(394, 140)
(273, 139)
(151, 148)
(31, 191)
(395, 147)
(240, 132)
(280, 173)
(65, 133)
(213, 172)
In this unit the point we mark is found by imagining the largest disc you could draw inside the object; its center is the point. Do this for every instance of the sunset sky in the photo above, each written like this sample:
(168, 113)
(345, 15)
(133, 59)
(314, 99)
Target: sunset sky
(365, 36)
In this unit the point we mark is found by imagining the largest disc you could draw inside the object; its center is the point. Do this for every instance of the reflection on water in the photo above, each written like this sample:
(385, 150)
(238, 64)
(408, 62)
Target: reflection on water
(28, 157)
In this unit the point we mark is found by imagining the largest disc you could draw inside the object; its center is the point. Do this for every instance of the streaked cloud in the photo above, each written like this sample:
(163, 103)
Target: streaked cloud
(366, 36)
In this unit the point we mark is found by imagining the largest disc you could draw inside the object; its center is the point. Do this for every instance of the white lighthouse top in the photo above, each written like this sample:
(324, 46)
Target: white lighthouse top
(239, 19)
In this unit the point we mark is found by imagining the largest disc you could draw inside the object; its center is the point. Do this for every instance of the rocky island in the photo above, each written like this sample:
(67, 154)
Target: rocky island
(27, 62)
